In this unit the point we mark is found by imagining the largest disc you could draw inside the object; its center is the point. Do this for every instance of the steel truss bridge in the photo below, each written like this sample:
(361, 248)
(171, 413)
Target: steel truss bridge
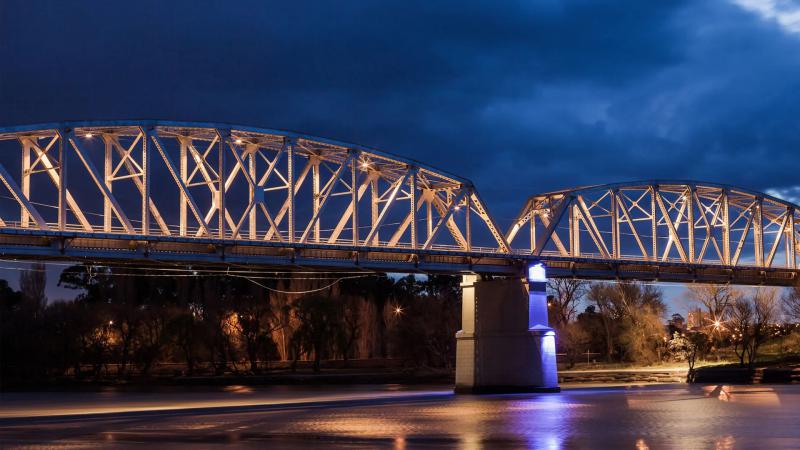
(211, 194)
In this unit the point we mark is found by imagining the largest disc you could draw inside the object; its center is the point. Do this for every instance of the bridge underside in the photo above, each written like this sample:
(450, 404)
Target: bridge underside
(667, 272)
(98, 248)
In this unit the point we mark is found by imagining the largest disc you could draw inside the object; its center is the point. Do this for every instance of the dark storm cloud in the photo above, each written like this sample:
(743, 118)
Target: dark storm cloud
(522, 97)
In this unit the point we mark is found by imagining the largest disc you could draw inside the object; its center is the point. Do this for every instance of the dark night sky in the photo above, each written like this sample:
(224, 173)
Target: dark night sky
(528, 97)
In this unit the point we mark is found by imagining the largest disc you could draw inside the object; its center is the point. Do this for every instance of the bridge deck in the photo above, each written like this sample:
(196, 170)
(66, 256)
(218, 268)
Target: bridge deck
(107, 248)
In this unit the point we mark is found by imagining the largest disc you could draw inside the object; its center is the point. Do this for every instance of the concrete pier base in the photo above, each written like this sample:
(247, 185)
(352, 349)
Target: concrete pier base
(498, 349)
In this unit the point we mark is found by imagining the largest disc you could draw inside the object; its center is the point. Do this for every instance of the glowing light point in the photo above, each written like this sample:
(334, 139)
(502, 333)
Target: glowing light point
(537, 273)
(88, 135)
(238, 141)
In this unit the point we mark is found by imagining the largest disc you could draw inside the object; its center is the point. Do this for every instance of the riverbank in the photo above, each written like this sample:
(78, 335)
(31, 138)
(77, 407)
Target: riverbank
(745, 375)
(361, 373)
(622, 376)
(343, 377)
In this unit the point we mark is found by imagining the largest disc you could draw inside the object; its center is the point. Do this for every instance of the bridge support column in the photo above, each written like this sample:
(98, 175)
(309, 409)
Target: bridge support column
(505, 344)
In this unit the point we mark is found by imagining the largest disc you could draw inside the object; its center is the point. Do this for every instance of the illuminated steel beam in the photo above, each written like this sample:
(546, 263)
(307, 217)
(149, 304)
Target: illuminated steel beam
(665, 225)
(687, 217)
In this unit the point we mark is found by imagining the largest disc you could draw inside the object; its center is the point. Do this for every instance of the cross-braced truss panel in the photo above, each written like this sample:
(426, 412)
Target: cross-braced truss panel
(661, 222)
(189, 192)
(173, 180)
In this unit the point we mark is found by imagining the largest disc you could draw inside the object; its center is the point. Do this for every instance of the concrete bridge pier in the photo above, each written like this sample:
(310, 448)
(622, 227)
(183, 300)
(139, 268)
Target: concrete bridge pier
(505, 344)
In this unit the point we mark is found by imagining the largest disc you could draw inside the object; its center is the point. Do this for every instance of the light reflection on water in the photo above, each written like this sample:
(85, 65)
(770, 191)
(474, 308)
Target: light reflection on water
(751, 395)
(719, 417)
(673, 417)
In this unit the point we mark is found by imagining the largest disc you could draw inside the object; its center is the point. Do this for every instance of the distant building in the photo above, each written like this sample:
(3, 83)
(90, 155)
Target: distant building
(677, 322)
(697, 318)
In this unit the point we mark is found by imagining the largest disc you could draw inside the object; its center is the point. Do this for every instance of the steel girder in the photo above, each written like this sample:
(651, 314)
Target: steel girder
(223, 194)
(662, 221)
(235, 186)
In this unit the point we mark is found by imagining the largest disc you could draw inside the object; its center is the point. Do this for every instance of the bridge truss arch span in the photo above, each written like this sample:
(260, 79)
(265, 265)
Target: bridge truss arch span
(217, 192)
(663, 229)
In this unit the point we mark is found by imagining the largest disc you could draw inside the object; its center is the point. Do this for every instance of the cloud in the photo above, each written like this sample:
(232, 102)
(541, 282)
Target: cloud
(790, 194)
(521, 98)
(784, 12)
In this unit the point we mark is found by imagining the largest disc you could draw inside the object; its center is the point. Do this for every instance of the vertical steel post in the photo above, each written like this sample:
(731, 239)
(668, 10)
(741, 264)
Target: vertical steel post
(653, 223)
(184, 169)
(412, 192)
(726, 229)
(108, 168)
(26, 181)
(785, 233)
(62, 177)
(354, 200)
(251, 168)
(792, 251)
(533, 231)
(575, 231)
(224, 138)
(468, 222)
(758, 233)
(315, 193)
(429, 216)
(615, 245)
(145, 182)
(290, 186)
(375, 210)
(689, 199)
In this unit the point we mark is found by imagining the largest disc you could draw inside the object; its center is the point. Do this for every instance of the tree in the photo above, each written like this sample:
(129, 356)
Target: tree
(566, 296)
(765, 312)
(631, 316)
(14, 320)
(320, 326)
(32, 284)
(602, 296)
(717, 300)
(425, 320)
(791, 303)
(686, 347)
(573, 340)
(740, 320)
(592, 324)
(351, 322)
(378, 291)
(642, 336)
(256, 325)
(151, 336)
(188, 334)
